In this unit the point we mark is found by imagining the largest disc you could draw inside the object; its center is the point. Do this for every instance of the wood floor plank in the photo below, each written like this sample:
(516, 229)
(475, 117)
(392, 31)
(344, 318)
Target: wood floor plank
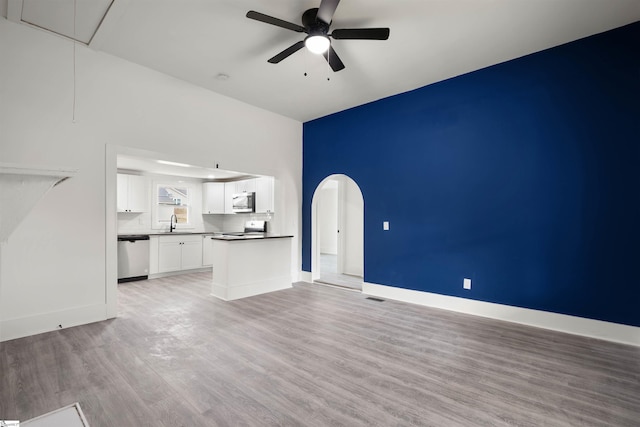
(313, 356)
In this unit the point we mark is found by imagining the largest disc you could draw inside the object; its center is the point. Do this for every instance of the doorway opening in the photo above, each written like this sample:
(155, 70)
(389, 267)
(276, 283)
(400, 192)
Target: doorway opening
(337, 236)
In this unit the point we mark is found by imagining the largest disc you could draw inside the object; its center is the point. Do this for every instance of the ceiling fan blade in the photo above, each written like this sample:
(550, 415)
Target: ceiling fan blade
(252, 14)
(361, 34)
(326, 10)
(285, 53)
(333, 59)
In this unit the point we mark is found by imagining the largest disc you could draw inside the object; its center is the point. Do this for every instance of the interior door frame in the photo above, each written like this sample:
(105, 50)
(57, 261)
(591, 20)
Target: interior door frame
(315, 240)
(340, 224)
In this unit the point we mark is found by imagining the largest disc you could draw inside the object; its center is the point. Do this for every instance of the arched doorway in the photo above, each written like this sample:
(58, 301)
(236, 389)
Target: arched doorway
(337, 233)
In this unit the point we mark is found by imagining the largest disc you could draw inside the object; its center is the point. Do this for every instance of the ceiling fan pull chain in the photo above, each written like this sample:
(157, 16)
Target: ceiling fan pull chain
(328, 62)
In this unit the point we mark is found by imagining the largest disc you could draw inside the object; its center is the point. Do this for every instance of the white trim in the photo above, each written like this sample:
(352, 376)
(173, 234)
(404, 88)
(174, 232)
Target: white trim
(47, 322)
(67, 414)
(315, 244)
(111, 231)
(14, 10)
(272, 284)
(169, 181)
(19, 169)
(178, 272)
(608, 331)
(305, 276)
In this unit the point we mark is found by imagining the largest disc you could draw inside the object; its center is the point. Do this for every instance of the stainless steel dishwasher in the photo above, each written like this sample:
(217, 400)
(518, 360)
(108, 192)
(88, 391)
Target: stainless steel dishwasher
(133, 258)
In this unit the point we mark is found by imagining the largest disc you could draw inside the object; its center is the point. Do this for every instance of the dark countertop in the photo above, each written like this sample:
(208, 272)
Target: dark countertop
(166, 233)
(215, 235)
(161, 233)
(259, 236)
(179, 233)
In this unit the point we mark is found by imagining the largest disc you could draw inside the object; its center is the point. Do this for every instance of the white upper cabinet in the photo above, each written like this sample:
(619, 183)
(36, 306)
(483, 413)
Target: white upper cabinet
(236, 187)
(264, 194)
(229, 191)
(213, 201)
(133, 193)
(246, 186)
(262, 186)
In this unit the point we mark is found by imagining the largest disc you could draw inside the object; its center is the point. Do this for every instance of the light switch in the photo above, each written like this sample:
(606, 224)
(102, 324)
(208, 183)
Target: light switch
(385, 225)
(466, 283)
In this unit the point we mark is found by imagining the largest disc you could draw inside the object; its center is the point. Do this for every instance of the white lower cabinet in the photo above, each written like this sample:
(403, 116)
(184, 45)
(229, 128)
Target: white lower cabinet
(192, 254)
(177, 253)
(207, 251)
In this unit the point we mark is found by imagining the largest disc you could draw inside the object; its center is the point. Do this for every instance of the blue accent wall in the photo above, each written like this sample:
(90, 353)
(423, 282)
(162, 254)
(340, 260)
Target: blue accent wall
(524, 177)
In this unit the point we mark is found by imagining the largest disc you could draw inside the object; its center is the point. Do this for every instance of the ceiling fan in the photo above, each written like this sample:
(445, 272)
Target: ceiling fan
(316, 23)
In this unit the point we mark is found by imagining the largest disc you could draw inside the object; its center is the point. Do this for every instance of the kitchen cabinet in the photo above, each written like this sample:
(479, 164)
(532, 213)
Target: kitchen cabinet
(262, 186)
(177, 253)
(154, 242)
(246, 186)
(207, 251)
(264, 194)
(270, 261)
(229, 191)
(235, 187)
(213, 201)
(133, 193)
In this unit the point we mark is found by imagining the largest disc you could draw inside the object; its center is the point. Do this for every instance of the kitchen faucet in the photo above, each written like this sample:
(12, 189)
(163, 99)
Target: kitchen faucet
(171, 225)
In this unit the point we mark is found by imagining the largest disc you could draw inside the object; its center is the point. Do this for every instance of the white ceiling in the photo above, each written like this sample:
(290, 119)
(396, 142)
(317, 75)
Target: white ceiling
(55, 16)
(154, 166)
(431, 40)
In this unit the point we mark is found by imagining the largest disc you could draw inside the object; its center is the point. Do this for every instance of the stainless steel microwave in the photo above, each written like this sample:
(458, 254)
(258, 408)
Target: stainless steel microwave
(244, 202)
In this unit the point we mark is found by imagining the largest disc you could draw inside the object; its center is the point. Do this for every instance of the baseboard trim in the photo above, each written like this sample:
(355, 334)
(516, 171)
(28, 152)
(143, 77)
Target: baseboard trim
(305, 276)
(178, 272)
(236, 291)
(47, 322)
(608, 331)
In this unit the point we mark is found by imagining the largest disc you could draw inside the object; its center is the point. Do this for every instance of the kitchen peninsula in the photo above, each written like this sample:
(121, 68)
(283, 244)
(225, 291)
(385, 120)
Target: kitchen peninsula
(250, 264)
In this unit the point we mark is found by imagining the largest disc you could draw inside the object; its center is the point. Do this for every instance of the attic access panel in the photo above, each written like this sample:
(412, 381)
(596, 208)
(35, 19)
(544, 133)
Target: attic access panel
(57, 16)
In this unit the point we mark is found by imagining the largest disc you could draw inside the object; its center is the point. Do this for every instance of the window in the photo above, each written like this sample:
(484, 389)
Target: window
(172, 200)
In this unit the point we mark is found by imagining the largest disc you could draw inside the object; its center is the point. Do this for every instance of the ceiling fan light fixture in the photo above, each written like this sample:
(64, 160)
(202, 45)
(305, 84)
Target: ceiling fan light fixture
(317, 44)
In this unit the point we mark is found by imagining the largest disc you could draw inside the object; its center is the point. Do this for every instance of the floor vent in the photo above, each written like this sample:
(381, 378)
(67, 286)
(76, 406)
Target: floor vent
(375, 299)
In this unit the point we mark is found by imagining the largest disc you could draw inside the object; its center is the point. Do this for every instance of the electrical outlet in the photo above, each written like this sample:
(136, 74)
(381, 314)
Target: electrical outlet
(385, 225)
(466, 283)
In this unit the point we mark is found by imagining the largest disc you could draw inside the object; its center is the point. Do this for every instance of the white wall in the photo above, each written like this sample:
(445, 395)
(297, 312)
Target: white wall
(53, 268)
(352, 228)
(328, 218)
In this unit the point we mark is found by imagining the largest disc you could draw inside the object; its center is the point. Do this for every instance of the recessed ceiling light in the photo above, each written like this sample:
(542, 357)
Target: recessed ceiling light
(222, 76)
(211, 176)
(165, 162)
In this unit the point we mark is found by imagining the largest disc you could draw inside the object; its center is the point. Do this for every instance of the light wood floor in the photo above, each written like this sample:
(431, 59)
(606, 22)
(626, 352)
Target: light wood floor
(329, 274)
(313, 356)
